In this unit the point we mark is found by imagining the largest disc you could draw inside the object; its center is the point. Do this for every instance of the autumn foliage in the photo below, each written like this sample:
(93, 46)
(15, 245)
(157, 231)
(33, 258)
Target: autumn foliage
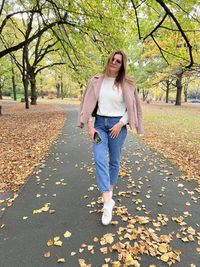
(175, 132)
(25, 138)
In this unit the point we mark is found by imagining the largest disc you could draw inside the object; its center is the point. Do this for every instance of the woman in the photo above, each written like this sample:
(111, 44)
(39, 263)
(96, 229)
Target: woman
(114, 99)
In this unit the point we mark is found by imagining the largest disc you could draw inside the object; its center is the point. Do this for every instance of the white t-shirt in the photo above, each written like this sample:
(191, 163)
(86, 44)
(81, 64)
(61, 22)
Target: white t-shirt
(111, 102)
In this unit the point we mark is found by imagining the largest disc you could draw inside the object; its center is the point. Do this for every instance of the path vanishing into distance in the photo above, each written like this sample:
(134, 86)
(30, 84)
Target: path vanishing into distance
(56, 219)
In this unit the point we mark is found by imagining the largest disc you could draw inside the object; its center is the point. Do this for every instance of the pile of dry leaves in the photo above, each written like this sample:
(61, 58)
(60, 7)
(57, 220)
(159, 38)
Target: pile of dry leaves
(174, 132)
(25, 138)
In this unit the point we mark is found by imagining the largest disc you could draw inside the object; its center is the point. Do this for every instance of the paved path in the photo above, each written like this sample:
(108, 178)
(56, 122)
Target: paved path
(155, 200)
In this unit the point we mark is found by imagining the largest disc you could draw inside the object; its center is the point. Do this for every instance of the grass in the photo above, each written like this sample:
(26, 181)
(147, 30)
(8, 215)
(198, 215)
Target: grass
(175, 132)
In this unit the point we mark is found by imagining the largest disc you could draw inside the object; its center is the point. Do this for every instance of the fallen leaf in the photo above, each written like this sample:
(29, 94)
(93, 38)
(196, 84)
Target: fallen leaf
(67, 234)
(165, 257)
(163, 247)
(61, 260)
(47, 254)
(50, 243)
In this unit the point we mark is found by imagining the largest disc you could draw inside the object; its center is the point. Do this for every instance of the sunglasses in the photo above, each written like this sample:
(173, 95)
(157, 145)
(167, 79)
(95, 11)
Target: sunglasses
(117, 61)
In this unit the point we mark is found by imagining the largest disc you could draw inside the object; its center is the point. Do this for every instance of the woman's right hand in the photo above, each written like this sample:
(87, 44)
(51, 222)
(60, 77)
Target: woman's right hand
(91, 130)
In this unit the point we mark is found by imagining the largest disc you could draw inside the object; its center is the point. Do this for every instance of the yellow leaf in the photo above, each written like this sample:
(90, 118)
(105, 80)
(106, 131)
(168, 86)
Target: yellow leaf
(164, 257)
(46, 208)
(163, 248)
(56, 238)
(116, 264)
(67, 234)
(108, 238)
(50, 243)
(58, 243)
(104, 250)
(114, 222)
(83, 264)
(191, 230)
(61, 260)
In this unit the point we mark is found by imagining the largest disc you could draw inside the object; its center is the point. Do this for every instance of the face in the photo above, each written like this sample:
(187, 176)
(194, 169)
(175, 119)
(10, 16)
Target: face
(115, 64)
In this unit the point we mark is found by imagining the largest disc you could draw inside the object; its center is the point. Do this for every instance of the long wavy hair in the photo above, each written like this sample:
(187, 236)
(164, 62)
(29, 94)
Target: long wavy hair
(122, 71)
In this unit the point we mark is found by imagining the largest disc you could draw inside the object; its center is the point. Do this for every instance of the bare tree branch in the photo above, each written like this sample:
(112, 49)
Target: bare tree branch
(152, 7)
(155, 29)
(142, 2)
(137, 20)
(33, 37)
(176, 30)
(49, 66)
(13, 14)
(62, 43)
(189, 14)
(170, 53)
(165, 7)
(160, 49)
(42, 53)
(2, 5)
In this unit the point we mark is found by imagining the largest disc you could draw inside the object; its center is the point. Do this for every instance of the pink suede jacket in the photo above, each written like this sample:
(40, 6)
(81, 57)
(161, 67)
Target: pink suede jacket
(131, 98)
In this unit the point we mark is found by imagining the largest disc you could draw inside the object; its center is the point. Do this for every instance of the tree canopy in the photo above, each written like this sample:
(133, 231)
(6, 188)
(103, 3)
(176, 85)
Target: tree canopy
(160, 37)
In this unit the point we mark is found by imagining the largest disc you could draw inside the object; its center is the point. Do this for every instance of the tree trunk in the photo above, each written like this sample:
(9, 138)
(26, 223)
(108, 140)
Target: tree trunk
(58, 89)
(145, 94)
(1, 97)
(14, 83)
(186, 88)
(25, 73)
(185, 93)
(167, 91)
(25, 83)
(61, 88)
(33, 88)
(179, 88)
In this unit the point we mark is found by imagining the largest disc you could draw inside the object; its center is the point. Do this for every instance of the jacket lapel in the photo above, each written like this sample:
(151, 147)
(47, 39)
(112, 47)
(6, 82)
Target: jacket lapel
(97, 84)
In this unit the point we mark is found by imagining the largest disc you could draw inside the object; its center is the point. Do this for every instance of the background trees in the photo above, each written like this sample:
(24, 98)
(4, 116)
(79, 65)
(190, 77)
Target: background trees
(161, 38)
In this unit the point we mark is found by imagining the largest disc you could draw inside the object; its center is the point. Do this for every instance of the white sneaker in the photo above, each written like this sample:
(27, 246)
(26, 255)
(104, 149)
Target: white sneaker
(107, 212)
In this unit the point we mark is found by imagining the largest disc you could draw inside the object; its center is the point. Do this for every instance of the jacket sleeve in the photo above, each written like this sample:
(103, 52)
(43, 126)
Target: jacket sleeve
(80, 113)
(139, 127)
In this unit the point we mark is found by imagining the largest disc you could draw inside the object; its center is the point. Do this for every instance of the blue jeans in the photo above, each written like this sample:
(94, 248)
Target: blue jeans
(107, 169)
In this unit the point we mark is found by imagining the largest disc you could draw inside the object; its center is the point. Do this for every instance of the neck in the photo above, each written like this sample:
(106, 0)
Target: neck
(111, 74)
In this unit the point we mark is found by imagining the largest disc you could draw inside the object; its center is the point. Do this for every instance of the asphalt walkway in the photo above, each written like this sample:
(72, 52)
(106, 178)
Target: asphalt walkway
(56, 216)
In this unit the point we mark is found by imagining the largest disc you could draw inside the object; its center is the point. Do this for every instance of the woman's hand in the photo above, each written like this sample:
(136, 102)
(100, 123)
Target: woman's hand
(91, 130)
(115, 130)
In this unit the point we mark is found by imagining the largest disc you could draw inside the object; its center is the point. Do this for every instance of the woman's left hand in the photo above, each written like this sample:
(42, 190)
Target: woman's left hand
(115, 130)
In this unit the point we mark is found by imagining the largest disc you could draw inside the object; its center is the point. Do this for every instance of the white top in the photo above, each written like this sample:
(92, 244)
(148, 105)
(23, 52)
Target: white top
(111, 102)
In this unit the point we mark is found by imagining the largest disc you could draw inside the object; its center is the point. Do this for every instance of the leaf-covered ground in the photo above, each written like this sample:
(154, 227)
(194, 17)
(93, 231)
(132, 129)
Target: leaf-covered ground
(175, 132)
(26, 136)
(155, 219)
